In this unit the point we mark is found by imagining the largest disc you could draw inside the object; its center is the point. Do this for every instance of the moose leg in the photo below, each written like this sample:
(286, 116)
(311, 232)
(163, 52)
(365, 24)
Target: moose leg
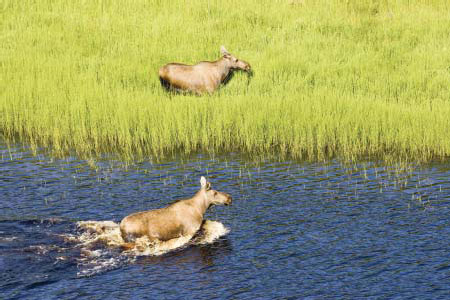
(127, 246)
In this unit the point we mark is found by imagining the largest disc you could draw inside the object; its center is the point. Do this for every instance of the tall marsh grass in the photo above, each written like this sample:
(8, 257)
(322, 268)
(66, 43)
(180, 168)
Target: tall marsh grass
(337, 78)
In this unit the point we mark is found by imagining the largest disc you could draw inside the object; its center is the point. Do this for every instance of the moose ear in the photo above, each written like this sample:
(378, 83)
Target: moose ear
(203, 182)
(223, 51)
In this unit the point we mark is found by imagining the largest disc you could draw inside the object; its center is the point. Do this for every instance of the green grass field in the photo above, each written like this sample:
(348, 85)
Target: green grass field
(346, 79)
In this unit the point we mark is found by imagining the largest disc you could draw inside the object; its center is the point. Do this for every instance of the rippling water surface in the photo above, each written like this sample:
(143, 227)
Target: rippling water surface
(295, 230)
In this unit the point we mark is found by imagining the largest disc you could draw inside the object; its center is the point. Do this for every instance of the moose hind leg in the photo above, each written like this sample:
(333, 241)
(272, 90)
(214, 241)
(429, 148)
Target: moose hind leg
(128, 237)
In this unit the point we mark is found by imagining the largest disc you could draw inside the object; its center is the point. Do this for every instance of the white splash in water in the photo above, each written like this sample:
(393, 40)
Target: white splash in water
(8, 239)
(212, 230)
(107, 232)
(93, 233)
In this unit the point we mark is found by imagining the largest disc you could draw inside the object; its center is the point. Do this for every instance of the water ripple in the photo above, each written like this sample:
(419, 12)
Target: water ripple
(297, 230)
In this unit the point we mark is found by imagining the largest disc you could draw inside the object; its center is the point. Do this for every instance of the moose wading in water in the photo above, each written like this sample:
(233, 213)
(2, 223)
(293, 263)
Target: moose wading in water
(206, 76)
(182, 218)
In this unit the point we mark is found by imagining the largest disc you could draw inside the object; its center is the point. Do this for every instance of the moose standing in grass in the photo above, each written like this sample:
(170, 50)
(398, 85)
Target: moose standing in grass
(206, 76)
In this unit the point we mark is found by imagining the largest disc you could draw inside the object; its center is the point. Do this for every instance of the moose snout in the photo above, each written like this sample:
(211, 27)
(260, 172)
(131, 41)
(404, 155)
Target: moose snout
(229, 200)
(249, 70)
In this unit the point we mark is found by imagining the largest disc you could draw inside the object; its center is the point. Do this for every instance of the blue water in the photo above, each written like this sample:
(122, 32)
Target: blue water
(297, 230)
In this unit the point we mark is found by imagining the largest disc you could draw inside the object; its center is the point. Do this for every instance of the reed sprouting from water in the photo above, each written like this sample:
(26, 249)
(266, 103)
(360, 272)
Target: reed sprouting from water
(332, 78)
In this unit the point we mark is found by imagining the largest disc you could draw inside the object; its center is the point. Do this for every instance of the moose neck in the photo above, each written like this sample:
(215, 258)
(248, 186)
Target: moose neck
(201, 201)
(224, 68)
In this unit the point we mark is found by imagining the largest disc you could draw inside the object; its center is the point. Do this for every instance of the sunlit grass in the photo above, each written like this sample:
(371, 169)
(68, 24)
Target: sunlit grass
(345, 79)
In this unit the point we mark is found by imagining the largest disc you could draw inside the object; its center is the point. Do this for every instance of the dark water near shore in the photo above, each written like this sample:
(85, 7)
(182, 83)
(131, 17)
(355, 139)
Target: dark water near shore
(296, 230)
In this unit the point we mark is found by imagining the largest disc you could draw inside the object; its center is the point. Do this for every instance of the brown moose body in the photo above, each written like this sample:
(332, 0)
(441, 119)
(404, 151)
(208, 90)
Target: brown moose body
(182, 218)
(203, 77)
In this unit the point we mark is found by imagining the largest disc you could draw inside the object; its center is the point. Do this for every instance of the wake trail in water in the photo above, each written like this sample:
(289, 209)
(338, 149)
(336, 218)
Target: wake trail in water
(101, 243)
